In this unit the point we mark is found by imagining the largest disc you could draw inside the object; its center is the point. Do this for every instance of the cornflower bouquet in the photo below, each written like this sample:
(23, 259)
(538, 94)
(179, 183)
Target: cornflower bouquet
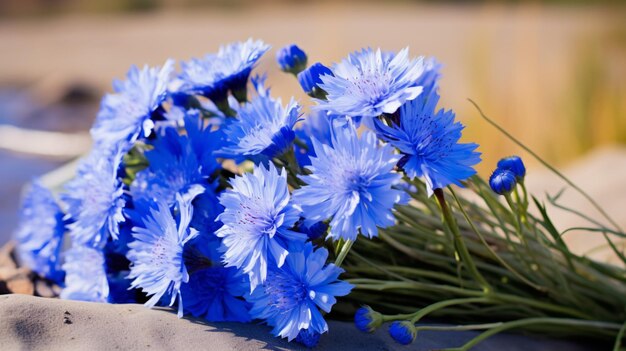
(231, 206)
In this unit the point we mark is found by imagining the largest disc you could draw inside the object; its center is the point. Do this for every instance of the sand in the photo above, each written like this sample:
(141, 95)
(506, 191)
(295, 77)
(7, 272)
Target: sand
(35, 323)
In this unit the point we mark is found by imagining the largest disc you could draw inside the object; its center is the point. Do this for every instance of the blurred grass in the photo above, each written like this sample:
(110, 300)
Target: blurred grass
(553, 75)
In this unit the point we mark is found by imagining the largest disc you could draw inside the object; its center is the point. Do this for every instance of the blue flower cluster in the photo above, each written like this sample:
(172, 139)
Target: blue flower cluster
(194, 196)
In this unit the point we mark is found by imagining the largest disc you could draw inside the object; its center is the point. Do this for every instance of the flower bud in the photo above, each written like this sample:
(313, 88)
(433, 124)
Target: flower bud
(291, 59)
(403, 332)
(309, 79)
(367, 320)
(515, 165)
(502, 181)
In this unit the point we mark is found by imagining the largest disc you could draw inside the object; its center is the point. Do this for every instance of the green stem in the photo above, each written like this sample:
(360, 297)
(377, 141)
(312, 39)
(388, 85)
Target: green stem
(443, 304)
(534, 321)
(458, 327)
(343, 253)
(618, 339)
(547, 165)
(459, 243)
(492, 251)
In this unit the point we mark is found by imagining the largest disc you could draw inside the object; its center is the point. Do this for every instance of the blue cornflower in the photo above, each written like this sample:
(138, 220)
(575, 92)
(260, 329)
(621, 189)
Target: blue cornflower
(215, 74)
(290, 298)
(291, 59)
(502, 181)
(213, 291)
(515, 165)
(352, 181)
(86, 278)
(367, 320)
(40, 232)
(369, 83)
(126, 114)
(179, 164)
(156, 254)
(429, 140)
(403, 332)
(257, 218)
(310, 79)
(264, 128)
(94, 200)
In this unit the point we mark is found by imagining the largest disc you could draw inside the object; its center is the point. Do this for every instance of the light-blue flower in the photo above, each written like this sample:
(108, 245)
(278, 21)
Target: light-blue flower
(352, 181)
(156, 254)
(40, 232)
(370, 82)
(213, 75)
(256, 221)
(126, 114)
(85, 274)
(94, 199)
(290, 299)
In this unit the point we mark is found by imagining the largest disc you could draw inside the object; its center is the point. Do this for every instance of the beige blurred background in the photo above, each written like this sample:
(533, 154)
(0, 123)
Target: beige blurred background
(553, 73)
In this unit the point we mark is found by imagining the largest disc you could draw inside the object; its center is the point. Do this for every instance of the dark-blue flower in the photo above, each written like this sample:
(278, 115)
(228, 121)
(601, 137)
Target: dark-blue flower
(85, 278)
(290, 298)
(370, 82)
(156, 254)
(179, 163)
(94, 200)
(429, 140)
(215, 74)
(403, 332)
(367, 320)
(263, 129)
(291, 59)
(257, 219)
(126, 114)
(502, 181)
(213, 292)
(353, 182)
(515, 165)
(40, 232)
(310, 80)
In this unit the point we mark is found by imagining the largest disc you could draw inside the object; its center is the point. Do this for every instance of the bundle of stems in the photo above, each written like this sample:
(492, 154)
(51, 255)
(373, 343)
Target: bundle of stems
(488, 262)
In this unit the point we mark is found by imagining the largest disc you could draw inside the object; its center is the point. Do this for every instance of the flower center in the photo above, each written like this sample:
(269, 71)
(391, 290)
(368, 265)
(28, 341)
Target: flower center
(284, 291)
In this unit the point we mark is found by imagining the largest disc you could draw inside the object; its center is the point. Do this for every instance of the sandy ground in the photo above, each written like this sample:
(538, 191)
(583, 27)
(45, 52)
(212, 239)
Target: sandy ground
(32, 323)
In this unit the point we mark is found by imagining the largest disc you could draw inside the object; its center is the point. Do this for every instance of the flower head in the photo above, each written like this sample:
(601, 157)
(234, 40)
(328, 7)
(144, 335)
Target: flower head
(256, 222)
(370, 82)
(310, 80)
(215, 74)
(156, 253)
(291, 59)
(264, 128)
(515, 165)
(179, 164)
(429, 140)
(86, 278)
(403, 332)
(126, 114)
(94, 200)
(502, 181)
(290, 298)
(352, 181)
(316, 125)
(213, 291)
(40, 232)
(367, 320)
